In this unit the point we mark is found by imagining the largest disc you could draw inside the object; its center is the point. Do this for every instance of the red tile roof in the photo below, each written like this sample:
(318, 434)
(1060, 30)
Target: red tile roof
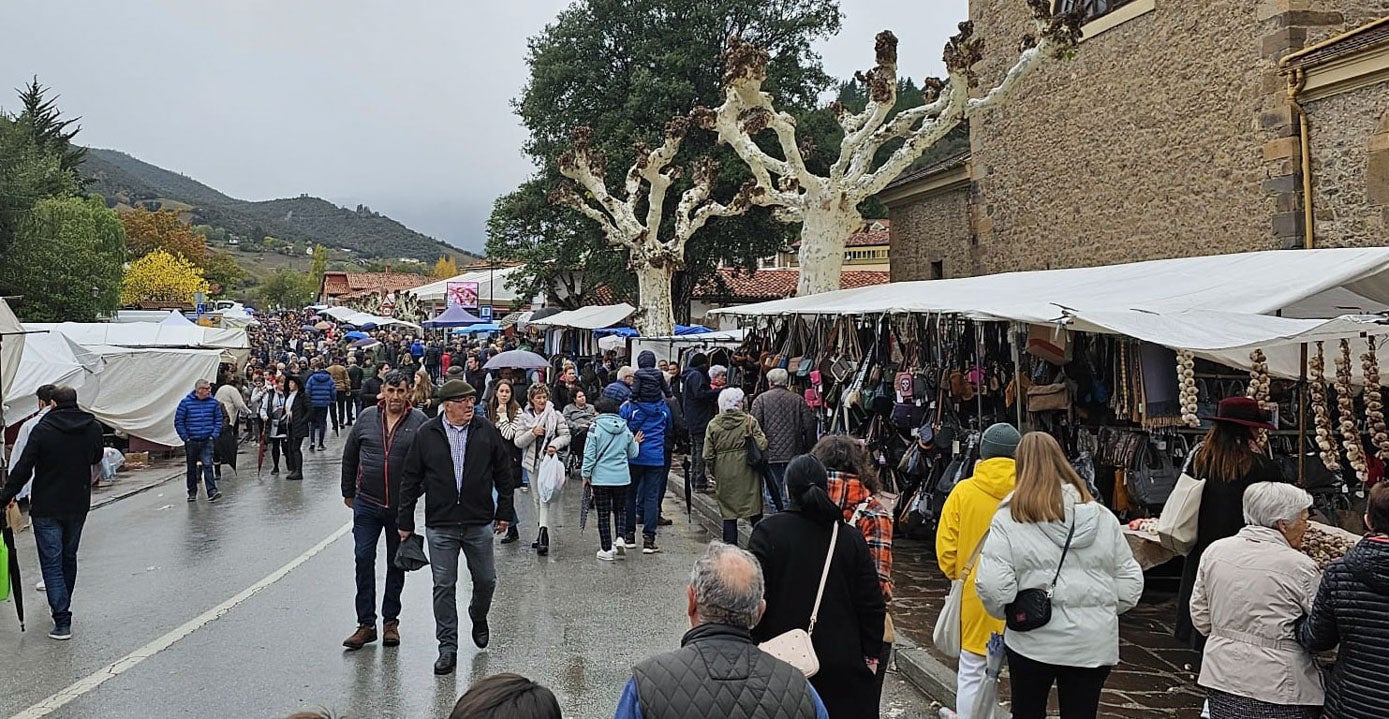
(869, 236)
(347, 285)
(776, 284)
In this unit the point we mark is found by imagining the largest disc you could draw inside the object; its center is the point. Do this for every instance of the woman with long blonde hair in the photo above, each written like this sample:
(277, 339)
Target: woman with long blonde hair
(1051, 535)
(422, 394)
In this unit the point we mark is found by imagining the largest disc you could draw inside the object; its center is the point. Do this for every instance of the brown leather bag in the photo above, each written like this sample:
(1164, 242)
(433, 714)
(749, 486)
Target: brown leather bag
(1049, 398)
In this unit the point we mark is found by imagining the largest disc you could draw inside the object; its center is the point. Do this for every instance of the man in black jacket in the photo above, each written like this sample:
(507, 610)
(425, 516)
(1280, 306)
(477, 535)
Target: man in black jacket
(457, 461)
(701, 404)
(59, 456)
(718, 670)
(372, 463)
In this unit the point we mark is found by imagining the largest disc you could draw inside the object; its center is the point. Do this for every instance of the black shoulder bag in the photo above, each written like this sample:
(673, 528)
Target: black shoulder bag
(1031, 608)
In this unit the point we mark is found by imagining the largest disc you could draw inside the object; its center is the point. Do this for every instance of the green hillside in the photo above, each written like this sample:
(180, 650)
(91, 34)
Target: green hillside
(305, 220)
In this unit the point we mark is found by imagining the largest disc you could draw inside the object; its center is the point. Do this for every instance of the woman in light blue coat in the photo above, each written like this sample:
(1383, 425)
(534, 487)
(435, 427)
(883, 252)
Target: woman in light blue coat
(609, 447)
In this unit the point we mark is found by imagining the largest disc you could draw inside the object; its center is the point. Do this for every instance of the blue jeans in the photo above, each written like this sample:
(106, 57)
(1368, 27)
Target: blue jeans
(777, 472)
(445, 544)
(318, 425)
(646, 483)
(57, 539)
(368, 522)
(195, 451)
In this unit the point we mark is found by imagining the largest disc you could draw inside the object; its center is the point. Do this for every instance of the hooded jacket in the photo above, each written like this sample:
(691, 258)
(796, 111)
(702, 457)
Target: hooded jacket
(1249, 591)
(649, 384)
(373, 460)
(739, 488)
(609, 447)
(321, 388)
(1099, 581)
(59, 456)
(701, 400)
(965, 518)
(1352, 610)
(651, 419)
(198, 419)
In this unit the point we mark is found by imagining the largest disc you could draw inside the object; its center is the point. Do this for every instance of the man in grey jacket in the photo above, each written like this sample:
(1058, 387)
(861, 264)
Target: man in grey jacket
(372, 465)
(790, 428)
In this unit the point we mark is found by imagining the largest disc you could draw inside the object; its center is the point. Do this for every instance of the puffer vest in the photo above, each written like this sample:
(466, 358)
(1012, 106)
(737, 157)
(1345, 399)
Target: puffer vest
(719, 672)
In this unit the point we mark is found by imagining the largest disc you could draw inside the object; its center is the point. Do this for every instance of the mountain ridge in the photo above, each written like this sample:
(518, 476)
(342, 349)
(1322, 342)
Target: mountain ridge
(124, 179)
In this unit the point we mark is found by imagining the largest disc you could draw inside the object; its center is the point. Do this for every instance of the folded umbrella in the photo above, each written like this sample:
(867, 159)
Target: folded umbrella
(16, 583)
(986, 701)
(585, 506)
(410, 555)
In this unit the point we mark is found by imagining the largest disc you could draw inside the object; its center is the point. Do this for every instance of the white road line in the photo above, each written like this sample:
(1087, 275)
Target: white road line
(129, 661)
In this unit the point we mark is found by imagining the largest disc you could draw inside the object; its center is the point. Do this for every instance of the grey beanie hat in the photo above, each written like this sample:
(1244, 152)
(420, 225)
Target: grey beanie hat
(999, 440)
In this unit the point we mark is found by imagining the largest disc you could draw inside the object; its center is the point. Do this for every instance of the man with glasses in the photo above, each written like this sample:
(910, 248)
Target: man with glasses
(457, 461)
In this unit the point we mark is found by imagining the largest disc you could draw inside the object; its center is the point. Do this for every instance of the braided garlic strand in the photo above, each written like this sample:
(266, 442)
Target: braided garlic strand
(1374, 401)
(1316, 386)
(1345, 401)
(1260, 384)
(1186, 379)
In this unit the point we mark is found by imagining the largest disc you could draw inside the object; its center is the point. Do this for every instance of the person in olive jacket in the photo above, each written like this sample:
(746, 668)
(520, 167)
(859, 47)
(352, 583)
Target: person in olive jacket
(458, 509)
(1352, 610)
(373, 460)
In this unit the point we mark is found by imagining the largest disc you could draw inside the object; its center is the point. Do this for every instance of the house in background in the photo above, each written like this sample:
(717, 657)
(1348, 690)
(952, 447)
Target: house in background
(342, 286)
(731, 288)
(1170, 133)
(867, 250)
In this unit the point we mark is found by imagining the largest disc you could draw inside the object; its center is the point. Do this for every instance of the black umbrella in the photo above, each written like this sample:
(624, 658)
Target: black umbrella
(16, 583)
(689, 500)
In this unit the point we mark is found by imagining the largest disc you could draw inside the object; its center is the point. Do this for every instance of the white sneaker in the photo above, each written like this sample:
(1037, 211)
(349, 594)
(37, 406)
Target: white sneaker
(40, 587)
(620, 546)
(607, 556)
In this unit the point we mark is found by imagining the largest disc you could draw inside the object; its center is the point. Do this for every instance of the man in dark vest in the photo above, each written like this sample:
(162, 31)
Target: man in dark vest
(718, 670)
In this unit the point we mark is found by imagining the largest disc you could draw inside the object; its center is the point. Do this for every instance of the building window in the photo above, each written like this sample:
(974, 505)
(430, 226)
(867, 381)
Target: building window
(1091, 9)
(938, 270)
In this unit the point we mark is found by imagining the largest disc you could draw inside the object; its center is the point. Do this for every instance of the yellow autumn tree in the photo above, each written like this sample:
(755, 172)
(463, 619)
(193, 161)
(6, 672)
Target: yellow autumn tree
(161, 277)
(445, 268)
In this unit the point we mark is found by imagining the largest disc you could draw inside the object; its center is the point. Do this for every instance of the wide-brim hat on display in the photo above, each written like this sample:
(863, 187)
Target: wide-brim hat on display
(1242, 411)
(455, 389)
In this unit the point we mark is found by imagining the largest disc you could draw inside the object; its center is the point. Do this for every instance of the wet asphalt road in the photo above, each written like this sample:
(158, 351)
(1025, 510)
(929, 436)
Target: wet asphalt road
(152, 569)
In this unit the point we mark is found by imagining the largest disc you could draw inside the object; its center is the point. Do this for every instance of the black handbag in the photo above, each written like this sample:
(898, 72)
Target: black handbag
(1031, 608)
(757, 459)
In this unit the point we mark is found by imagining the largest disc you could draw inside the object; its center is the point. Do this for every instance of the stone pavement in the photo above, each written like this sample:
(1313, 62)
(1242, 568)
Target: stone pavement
(1155, 678)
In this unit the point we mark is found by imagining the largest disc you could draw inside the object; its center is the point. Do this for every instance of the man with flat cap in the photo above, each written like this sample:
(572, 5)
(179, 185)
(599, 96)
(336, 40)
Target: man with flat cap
(457, 461)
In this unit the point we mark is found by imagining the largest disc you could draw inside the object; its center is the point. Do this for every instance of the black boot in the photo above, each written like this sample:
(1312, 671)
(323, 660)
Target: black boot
(512, 534)
(544, 541)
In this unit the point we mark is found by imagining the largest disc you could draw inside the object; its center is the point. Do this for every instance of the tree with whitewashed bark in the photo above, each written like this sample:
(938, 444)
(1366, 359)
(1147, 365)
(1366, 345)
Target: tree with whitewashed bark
(653, 256)
(827, 206)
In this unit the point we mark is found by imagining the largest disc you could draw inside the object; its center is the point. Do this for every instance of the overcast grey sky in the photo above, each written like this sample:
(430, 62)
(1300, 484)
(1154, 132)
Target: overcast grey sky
(400, 105)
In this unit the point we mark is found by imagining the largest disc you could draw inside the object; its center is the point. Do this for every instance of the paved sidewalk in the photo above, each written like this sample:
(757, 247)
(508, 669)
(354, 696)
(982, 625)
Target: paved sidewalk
(1155, 678)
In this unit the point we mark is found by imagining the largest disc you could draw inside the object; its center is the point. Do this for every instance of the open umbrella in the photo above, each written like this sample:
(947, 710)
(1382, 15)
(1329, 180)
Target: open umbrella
(16, 583)
(308, 328)
(354, 335)
(986, 701)
(365, 343)
(324, 325)
(517, 359)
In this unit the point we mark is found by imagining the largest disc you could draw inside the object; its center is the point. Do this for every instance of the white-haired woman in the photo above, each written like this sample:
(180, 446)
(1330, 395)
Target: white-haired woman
(737, 486)
(1249, 591)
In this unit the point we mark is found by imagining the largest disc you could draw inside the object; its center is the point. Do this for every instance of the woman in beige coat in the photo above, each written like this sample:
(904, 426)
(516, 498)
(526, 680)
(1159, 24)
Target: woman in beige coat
(738, 487)
(1250, 589)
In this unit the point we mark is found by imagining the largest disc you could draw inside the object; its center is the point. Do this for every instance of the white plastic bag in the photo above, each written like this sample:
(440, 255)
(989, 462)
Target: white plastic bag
(549, 479)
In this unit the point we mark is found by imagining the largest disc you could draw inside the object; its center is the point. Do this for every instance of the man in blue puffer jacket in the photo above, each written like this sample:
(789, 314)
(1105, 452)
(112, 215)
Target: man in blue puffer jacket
(649, 421)
(322, 390)
(198, 421)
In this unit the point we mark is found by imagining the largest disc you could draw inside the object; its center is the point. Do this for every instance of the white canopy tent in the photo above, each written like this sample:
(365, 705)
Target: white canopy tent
(12, 341)
(354, 317)
(175, 319)
(671, 347)
(139, 389)
(491, 287)
(588, 318)
(233, 343)
(49, 358)
(1297, 283)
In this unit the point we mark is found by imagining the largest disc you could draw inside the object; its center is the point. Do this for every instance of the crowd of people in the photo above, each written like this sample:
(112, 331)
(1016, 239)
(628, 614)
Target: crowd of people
(1041, 563)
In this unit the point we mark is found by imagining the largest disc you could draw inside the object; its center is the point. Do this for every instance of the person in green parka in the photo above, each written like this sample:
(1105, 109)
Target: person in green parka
(738, 487)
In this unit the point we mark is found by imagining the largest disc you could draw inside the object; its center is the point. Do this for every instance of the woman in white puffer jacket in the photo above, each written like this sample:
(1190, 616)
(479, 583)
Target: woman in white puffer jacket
(1098, 581)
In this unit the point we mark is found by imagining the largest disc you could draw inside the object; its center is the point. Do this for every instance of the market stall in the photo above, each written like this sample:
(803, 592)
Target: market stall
(234, 344)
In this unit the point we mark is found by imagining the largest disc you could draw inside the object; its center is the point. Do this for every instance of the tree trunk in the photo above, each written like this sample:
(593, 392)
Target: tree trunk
(825, 229)
(655, 314)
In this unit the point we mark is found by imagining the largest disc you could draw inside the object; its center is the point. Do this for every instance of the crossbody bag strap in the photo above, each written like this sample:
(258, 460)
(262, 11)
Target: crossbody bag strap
(824, 576)
(1064, 550)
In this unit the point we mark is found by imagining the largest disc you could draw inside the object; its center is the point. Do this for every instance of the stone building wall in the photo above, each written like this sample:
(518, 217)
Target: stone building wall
(1350, 165)
(932, 229)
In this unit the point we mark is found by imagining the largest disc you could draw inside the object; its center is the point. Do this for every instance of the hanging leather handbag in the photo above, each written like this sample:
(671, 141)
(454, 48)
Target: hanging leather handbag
(1031, 608)
(757, 458)
(795, 647)
(1048, 398)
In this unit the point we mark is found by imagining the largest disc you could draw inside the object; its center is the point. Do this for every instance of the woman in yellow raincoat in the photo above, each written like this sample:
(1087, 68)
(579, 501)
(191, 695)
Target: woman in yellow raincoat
(964, 521)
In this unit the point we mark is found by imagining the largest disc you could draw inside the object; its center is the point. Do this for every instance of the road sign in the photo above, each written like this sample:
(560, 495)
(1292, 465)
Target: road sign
(202, 309)
(485, 314)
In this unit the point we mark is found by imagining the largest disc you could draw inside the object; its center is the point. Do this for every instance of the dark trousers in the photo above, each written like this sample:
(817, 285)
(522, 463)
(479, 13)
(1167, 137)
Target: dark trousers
(646, 483)
(318, 424)
(57, 539)
(1077, 688)
(368, 523)
(697, 479)
(344, 407)
(196, 451)
(730, 529)
(294, 453)
(611, 503)
(275, 444)
(474, 542)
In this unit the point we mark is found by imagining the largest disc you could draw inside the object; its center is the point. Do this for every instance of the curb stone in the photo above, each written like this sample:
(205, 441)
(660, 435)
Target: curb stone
(137, 490)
